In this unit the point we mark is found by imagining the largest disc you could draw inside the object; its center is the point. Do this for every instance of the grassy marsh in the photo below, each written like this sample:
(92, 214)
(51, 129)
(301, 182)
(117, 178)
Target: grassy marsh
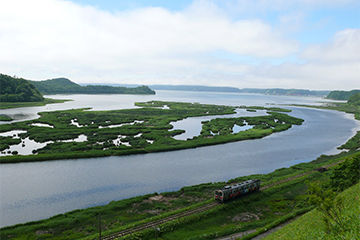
(140, 130)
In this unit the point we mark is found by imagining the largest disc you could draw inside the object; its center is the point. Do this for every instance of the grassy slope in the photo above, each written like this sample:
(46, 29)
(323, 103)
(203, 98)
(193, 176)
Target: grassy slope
(311, 226)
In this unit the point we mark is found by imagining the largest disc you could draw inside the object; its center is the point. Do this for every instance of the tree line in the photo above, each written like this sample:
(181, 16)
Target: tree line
(18, 90)
(342, 95)
(65, 86)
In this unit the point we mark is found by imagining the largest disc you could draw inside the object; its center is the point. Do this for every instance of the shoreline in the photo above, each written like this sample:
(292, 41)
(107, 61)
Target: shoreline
(101, 206)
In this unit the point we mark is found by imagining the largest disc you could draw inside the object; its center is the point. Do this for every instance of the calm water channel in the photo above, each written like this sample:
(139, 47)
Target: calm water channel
(33, 191)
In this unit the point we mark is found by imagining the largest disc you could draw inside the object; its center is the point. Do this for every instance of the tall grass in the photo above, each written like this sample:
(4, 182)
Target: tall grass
(312, 226)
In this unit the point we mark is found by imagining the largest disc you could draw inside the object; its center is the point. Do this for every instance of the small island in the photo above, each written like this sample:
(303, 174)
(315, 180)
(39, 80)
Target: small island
(80, 133)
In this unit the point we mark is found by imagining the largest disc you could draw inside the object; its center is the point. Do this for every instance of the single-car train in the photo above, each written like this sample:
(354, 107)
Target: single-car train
(232, 191)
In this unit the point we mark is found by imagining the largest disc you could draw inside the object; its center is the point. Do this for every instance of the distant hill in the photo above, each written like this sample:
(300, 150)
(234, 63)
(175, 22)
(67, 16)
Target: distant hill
(200, 88)
(341, 95)
(271, 91)
(196, 88)
(18, 90)
(354, 99)
(289, 92)
(65, 86)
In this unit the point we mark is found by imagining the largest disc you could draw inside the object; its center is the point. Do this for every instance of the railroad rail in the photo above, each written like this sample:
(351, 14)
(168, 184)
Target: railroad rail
(208, 206)
(160, 221)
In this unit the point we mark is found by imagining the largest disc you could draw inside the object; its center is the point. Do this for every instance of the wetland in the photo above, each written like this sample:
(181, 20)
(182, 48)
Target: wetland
(81, 133)
(37, 190)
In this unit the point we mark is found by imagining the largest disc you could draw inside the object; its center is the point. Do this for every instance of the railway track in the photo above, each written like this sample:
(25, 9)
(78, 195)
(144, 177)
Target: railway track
(156, 223)
(160, 221)
(298, 176)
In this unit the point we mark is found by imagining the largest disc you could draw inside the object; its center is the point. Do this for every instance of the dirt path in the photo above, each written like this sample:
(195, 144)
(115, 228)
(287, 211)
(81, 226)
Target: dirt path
(260, 236)
(265, 234)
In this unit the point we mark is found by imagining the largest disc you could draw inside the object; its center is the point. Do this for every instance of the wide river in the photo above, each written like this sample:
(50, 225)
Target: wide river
(33, 191)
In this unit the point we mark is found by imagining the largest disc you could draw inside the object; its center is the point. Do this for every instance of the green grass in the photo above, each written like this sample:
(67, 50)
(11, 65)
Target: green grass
(311, 225)
(5, 118)
(6, 105)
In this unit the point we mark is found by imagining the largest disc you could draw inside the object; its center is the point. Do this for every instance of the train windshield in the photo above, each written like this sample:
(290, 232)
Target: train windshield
(218, 193)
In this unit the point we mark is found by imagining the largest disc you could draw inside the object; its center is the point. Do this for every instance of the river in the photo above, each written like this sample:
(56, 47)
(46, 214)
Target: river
(33, 191)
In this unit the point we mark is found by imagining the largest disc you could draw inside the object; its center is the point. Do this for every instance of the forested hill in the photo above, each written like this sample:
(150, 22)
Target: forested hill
(282, 91)
(65, 86)
(268, 91)
(354, 99)
(342, 95)
(18, 90)
(196, 88)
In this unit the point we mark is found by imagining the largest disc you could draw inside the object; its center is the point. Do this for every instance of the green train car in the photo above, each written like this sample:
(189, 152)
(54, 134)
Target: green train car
(233, 191)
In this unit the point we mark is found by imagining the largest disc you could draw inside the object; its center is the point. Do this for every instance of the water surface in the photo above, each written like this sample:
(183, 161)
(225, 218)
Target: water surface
(33, 191)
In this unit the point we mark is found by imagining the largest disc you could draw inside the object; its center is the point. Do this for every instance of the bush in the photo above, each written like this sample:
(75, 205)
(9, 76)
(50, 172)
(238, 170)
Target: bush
(346, 174)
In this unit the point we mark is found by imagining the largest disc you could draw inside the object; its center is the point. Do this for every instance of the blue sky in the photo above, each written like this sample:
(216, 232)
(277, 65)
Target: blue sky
(260, 43)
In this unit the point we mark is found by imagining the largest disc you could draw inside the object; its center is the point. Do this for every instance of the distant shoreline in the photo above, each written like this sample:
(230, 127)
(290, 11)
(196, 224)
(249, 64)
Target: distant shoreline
(201, 88)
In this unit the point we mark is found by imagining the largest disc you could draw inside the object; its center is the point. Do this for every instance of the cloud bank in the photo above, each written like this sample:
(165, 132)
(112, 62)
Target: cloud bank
(201, 44)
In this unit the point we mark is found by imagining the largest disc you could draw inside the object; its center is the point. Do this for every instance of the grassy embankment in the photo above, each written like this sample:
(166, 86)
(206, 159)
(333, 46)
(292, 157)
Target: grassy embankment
(312, 226)
(272, 206)
(141, 130)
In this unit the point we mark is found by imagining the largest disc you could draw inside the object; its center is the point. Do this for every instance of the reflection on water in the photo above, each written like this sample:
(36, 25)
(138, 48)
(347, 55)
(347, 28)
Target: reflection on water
(14, 133)
(26, 147)
(193, 125)
(42, 125)
(237, 128)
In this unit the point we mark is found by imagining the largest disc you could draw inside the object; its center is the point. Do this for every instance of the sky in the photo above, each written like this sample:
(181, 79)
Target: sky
(302, 44)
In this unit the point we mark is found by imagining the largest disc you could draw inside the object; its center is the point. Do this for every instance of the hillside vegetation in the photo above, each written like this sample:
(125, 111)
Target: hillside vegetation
(65, 86)
(342, 95)
(312, 226)
(18, 90)
(289, 92)
(354, 100)
(271, 91)
(201, 88)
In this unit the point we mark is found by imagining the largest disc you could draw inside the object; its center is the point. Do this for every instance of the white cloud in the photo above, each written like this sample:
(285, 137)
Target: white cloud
(66, 36)
(263, 6)
(327, 66)
(344, 47)
(49, 38)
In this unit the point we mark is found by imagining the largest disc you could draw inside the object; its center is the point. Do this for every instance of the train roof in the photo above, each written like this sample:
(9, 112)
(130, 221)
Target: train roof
(241, 184)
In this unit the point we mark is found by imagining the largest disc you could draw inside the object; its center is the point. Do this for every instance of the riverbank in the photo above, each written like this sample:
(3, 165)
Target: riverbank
(249, 212)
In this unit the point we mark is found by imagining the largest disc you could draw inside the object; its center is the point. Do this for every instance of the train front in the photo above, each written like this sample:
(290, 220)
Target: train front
(219, 196)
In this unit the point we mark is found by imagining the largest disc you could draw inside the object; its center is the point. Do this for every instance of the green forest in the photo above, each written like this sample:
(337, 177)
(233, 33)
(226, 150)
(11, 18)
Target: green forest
(342, 95)
(65, 86)
(354, 100)
(18, 90)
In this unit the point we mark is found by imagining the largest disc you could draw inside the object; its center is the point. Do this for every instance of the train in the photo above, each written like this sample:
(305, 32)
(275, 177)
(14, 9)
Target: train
(233, 191)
